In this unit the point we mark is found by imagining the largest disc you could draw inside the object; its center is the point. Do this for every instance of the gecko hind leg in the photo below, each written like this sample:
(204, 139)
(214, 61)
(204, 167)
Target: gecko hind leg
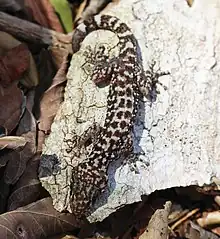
(81, 144)
(90, 136)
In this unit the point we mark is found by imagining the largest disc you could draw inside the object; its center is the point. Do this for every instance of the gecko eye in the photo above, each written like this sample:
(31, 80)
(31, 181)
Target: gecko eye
(123, 28)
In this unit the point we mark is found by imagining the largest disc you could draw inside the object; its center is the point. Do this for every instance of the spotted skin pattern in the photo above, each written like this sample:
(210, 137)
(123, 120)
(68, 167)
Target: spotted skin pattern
(126, 86)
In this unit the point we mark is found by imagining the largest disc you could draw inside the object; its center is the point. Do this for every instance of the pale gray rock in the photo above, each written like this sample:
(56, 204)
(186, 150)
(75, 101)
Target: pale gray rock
(179, 132)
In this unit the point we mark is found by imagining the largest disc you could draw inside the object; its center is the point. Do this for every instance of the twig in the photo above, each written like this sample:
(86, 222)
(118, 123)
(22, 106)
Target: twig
(33, 33)
(190, 214)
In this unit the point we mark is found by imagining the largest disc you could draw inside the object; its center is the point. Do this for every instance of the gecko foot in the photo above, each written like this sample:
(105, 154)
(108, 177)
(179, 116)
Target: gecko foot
(132, 160)
(148, 81)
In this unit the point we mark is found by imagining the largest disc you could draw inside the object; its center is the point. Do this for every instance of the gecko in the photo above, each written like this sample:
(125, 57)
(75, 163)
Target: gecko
(127, 84)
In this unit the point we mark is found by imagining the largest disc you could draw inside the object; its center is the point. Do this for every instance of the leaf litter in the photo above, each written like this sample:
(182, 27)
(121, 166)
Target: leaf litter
(27, 211)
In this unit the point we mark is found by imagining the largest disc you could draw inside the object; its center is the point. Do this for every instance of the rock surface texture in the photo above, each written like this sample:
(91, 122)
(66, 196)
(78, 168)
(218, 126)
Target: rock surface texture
(178, 131)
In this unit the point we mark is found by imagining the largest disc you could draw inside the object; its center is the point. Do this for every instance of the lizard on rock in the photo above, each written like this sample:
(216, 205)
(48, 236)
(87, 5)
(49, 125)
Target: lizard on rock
(127, 83)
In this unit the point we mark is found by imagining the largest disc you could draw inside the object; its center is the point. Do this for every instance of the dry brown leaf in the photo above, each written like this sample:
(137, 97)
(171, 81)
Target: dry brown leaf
(28, 187)
(35, 221)
(13, 64)
(18, 159)
(43, 13)
(59, 55)
(12, 142)
(50, 103)
(8, 42)
(5, 190)
(16, 165)
(11, 99)
(158, 224)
